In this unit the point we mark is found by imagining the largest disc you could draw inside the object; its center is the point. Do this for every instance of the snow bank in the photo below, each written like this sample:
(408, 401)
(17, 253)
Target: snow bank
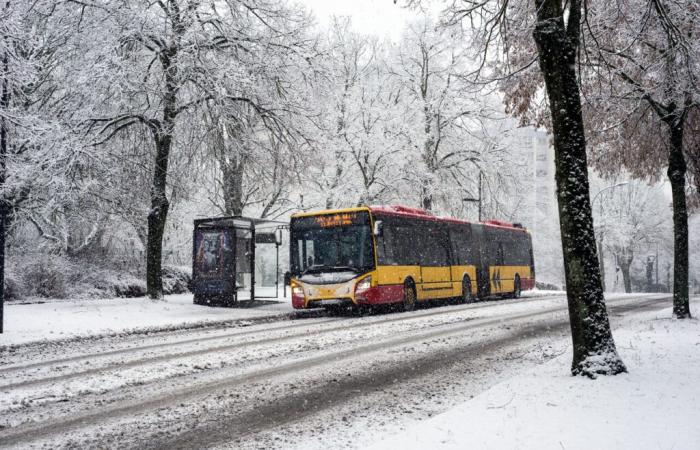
(61, 319)
(654, 406)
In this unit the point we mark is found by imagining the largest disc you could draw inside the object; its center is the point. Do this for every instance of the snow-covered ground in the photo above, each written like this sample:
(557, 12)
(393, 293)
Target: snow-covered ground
(61, 319)
(314, 383)
(64, 319)
(654, 406)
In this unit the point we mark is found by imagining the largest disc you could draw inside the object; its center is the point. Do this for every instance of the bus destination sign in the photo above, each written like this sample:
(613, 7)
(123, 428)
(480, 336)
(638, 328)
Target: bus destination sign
(336, 220)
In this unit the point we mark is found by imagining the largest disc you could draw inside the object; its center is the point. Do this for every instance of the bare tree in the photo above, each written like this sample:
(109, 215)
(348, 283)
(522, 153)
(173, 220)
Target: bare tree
(167, 58)
(631, 215)
(641, 85)
(505, 29)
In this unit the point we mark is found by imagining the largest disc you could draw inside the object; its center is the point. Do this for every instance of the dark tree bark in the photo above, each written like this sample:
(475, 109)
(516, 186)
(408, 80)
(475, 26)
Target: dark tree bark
(625, 264)
(4, 104)
(594, 347)
(675, 118)
(676, 175)
(163, 138)
(157, 217)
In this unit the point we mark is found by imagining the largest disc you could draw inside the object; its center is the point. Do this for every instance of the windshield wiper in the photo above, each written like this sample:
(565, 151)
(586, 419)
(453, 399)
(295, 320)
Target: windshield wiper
(322, 267)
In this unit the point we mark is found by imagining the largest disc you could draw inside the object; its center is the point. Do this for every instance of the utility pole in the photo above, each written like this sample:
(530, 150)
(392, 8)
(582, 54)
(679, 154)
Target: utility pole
(480, 176)
(478, 199)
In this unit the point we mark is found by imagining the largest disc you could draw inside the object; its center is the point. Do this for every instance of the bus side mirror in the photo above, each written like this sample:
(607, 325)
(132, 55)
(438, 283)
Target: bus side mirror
(287, 278)
(378, 228)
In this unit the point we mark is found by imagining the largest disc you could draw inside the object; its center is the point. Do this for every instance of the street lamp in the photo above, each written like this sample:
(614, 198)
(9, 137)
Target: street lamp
(600, 241)
(478, 199)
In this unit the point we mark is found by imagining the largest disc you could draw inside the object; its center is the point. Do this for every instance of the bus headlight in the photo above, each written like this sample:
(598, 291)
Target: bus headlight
(363, 285)
(297, 290)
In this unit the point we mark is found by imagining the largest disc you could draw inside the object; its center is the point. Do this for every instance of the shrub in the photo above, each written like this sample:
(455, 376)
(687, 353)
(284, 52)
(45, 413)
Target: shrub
(45, 277)
(176, 279)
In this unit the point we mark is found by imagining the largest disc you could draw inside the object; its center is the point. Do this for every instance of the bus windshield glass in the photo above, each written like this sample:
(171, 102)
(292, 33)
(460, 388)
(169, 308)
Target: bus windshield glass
(332, 243)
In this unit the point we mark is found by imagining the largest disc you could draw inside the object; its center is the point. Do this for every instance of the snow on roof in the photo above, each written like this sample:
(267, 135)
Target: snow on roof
(409, 211)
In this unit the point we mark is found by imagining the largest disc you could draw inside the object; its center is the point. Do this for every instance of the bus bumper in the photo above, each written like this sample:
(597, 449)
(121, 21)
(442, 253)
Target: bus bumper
(378, 295)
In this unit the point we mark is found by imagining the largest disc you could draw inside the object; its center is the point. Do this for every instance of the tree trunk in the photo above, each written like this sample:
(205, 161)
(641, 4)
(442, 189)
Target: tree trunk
(157, 218)
(593, 344)
(233, 186)
(676, 175)
(426, 198)
(625, 265)
(4, 104)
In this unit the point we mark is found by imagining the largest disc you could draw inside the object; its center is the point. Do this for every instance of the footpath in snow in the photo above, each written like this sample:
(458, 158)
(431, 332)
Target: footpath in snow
(654, 406)
(62, 319)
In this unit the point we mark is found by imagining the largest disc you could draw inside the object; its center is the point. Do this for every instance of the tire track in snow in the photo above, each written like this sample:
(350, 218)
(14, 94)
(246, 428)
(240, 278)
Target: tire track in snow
(297, 406)
(15, 370)
(130, 408)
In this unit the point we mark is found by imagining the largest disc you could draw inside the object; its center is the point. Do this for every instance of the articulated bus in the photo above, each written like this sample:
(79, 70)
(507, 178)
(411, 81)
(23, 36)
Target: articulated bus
(399, 255)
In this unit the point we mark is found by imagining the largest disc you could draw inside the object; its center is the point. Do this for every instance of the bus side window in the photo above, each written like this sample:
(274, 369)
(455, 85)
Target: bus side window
(386, 246)
(461, 245)
(409, 240)
(442, 247)
(500, 260)
(434, 244)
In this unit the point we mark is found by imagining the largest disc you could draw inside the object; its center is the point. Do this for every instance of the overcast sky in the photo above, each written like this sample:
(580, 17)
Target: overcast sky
(379, 17)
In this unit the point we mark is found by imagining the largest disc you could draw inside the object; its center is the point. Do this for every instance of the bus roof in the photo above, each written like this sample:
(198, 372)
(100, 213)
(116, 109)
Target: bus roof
(409, 211)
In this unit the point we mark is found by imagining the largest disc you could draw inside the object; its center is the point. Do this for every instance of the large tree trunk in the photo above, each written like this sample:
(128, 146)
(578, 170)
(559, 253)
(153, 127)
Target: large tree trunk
(157, 218)
(4, 104)
(593, 344)
(676, 174)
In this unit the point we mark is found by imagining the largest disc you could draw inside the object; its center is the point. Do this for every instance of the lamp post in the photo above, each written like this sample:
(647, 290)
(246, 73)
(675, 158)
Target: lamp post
(599, 239)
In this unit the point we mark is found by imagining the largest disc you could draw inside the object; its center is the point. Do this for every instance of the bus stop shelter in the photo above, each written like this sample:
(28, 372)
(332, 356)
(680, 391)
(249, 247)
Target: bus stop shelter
(224, 259)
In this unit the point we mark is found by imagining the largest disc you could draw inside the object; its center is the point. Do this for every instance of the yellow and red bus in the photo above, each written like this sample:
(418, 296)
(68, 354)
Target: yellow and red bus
(400, 255)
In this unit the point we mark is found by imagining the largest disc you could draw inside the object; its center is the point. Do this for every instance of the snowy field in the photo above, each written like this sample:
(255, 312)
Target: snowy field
(62, 319)
(654, 406)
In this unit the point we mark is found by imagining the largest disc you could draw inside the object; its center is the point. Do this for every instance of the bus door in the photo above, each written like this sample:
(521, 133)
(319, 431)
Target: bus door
(481, 260)
(434, 243)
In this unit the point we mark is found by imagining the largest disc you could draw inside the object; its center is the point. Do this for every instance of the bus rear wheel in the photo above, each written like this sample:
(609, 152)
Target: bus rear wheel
(409, 296)
(467, 291)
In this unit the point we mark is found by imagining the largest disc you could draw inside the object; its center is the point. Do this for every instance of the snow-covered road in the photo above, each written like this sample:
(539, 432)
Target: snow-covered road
(311, 383)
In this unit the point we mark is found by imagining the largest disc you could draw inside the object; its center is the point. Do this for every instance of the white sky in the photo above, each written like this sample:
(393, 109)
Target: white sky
(379, 17)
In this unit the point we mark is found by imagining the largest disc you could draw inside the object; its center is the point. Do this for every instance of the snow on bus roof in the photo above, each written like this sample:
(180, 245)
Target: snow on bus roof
(409, 211)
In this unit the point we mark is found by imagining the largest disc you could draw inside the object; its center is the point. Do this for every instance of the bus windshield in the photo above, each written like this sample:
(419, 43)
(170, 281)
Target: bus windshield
(332, 243)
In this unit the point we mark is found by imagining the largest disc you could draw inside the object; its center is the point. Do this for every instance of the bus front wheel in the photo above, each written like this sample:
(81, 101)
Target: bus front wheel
(409, 296)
